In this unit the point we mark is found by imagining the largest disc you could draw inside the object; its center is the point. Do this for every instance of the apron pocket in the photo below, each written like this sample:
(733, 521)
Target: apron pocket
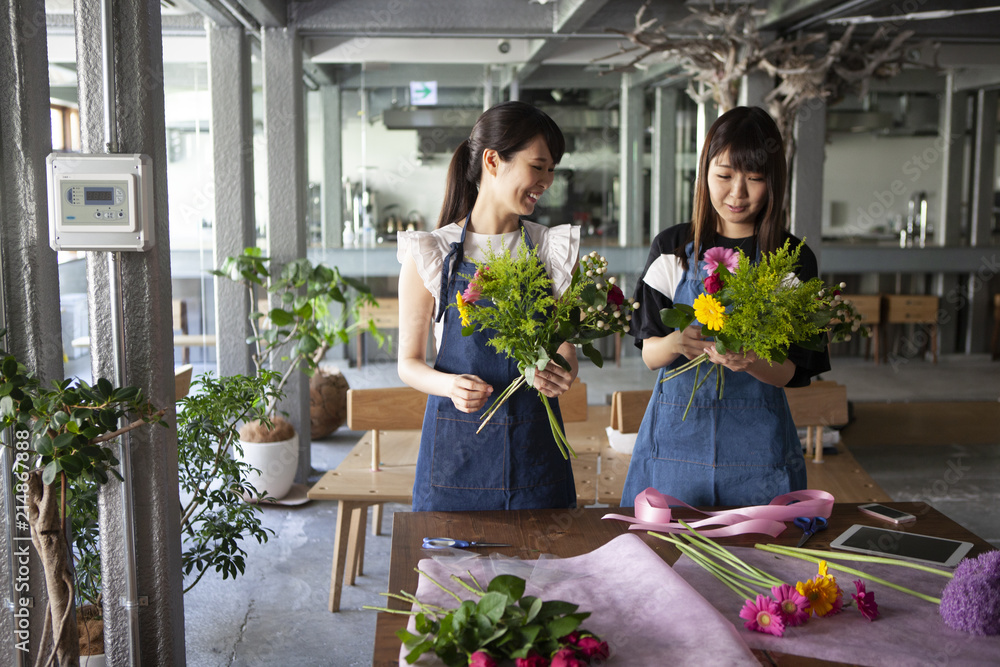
(462, 459)
(535, 458)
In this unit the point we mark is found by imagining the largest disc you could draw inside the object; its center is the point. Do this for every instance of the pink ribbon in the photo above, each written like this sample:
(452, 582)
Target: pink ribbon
(652, 512)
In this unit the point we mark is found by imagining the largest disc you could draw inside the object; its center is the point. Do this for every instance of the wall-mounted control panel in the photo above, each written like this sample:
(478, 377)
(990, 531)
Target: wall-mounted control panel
(100, 202)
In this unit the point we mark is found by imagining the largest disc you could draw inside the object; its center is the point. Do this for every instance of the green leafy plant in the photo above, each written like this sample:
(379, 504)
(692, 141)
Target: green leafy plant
(528, 323)
(303, 327)
(503, 623)
(61, 437)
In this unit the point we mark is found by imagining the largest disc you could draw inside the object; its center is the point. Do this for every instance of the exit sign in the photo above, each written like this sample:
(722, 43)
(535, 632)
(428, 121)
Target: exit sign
(424, 93)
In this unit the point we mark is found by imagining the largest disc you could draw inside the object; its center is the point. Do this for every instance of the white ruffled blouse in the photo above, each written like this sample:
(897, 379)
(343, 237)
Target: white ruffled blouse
(558, 248)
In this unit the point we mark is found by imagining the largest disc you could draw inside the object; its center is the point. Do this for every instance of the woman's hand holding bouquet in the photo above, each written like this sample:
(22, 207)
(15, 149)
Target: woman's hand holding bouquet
(512, 297)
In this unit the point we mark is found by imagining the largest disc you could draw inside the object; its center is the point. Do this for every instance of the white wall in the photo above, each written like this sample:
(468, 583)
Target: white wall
(868, 181)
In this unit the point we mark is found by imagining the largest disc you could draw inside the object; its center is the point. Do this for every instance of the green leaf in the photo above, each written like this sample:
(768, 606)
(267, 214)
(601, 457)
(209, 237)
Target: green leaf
(63, 440)
(104, 387)
(469, 330)
(562, 626)
(593, 354)
(72, 464)
(534, 607)
(49, 474)
(677, 317)
(280, 318)
(492, 605)
(419, 650)
(6, 407)
(43, 444)
(508, 584)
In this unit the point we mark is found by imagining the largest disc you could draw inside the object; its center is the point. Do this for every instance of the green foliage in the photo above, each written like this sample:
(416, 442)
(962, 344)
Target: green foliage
(303, 326)
(215, 519)
(503, 622)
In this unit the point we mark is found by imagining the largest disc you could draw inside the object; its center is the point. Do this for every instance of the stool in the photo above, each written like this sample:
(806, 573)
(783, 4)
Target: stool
(914, 309)
(869, 306)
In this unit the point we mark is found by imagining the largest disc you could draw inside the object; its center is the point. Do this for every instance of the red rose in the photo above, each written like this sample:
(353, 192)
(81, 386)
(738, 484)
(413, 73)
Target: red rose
(713, 283)
(566, 657)
(615, 295)
(570, 639)
(482, 659)
(534, 659)
(592, 647)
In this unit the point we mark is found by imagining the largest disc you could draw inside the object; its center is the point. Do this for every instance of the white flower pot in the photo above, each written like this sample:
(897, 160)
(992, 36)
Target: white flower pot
(93, 660)
(277, 463)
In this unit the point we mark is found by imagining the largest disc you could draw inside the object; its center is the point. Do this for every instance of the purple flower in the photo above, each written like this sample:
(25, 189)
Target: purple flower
(971, 600)
(721, 256)
(865, 601)
(793, 605)
(764, 615)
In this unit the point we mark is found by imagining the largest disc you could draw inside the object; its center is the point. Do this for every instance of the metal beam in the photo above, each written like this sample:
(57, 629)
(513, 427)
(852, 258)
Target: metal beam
(267, 13)
(807, 176)
(216, 12)
(663, 180)
(632, 135)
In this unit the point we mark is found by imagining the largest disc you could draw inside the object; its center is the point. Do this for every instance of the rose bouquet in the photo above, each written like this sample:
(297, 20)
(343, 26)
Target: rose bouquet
(511, 295)
(504, 624)
(761, 308)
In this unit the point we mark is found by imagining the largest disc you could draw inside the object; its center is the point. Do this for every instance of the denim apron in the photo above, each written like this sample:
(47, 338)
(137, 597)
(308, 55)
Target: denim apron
(740, 450)
(513, 463)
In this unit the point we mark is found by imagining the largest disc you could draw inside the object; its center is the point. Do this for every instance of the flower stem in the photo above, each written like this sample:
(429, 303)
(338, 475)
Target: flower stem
(770, 579)
(700, 359)
(836, 555)
(851, 570)
(694, 388)
(725, 576)
(500, 400)
(557, 433)
(439, 585)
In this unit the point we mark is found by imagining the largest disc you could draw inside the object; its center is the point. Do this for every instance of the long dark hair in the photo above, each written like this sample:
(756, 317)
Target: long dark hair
(754, 144)
(506, 128)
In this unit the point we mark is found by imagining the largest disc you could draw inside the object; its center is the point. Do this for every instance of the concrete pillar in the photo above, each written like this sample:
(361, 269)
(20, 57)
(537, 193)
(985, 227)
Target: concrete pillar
(807, 176)
(138, 115)
(30, 295)
(756, 86)
(663, 180)
(984, 148)
(632, 145)
(948, 225)
(232, 141)
(333, 176)
(707, 113)
(284, 126)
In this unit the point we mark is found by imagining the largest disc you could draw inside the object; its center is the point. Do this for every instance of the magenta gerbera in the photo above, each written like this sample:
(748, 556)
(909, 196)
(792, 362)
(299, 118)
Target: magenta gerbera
(724, 256)
(793, 605)
(865, 601)
(764, 615)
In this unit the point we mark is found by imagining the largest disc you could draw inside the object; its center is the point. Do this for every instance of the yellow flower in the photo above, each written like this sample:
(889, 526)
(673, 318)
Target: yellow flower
(821, 592)
(709, 311)
(463, 309)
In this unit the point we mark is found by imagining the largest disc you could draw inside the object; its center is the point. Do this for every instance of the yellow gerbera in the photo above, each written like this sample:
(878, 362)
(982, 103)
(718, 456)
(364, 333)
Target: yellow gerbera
(821, 593)
(463, 309)
(709, 311)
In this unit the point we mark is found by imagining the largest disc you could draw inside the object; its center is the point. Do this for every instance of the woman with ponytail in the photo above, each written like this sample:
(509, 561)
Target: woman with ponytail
(495, 177)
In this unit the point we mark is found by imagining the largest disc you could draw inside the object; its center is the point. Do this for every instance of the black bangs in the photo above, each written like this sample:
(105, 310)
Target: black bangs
(750, 148)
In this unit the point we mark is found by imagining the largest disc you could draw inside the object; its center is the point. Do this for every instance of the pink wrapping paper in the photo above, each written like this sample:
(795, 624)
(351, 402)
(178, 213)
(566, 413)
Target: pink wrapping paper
(909, 632)
(646, 613)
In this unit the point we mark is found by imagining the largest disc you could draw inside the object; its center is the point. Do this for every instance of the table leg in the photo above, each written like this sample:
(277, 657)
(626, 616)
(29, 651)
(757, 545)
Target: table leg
(817, 443)
(809, 441)
(351, 559)
(359, 554)
(377, 519)
(340, 541)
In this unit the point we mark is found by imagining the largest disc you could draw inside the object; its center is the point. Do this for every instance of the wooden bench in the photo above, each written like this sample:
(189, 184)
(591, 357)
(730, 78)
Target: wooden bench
(821, 404)
(381, 467)
(914, 309)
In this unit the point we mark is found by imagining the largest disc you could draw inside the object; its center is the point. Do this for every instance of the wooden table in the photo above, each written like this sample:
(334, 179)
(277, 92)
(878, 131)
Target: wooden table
(568, 533)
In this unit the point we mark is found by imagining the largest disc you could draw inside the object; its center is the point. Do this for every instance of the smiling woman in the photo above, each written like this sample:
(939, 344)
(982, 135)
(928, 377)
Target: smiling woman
(496, 176)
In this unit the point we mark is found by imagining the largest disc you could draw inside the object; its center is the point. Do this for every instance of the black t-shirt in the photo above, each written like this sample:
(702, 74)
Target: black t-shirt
(663, 271)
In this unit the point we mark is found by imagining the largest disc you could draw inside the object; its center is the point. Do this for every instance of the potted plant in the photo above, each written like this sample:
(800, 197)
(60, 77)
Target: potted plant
(299, 330)
(60, 437)
(213, 484)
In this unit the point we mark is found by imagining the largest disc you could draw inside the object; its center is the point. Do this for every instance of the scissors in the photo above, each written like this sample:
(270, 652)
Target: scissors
(445, 542)
(809, 526)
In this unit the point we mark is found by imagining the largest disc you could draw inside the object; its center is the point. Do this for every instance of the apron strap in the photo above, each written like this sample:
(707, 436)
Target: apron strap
(454, 257)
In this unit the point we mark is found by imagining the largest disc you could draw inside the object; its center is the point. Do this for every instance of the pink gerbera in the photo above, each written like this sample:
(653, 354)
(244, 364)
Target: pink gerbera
(724, 256)
(865, 601)
(764, 615)
(794, 606)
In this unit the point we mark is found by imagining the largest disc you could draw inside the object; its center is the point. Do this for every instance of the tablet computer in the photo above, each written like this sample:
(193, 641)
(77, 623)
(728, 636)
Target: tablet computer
(905, 546)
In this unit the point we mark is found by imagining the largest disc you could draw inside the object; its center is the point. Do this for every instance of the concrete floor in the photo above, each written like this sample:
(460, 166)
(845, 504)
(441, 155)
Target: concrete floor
(276, 613)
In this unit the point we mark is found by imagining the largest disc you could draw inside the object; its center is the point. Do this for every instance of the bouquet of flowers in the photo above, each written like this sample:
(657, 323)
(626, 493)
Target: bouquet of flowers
(512, 297)
(761, 308)
(503, 625)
